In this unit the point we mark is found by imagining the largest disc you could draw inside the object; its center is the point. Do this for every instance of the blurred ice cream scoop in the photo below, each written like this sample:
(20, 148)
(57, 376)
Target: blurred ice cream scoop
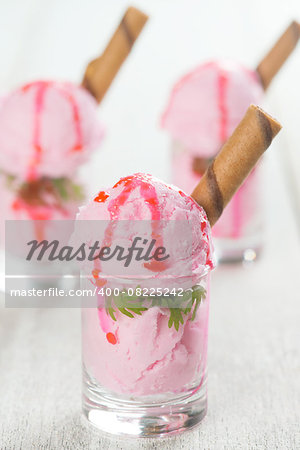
(48, 129)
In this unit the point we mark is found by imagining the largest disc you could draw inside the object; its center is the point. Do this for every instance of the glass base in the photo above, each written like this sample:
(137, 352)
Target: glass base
(134, 418)
(238, 250)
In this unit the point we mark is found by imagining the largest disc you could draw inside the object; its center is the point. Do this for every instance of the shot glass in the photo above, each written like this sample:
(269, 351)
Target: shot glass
(43, 202)
(144, 351)
(35, 210)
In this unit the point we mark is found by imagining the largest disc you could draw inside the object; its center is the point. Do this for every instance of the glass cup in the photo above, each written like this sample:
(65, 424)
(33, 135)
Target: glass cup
(41, 201)
(38, 206)
(144, 352)
(238, 235)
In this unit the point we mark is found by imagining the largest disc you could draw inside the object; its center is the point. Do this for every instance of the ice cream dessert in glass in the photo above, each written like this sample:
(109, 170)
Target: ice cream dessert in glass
(48, 129)
(144, 333)
(204, 108)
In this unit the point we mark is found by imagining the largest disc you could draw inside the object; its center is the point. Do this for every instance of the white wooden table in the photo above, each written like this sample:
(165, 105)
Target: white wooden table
(254, 362)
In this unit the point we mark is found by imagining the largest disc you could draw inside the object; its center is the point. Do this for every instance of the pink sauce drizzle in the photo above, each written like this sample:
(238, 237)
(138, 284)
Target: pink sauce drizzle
(38, 107)
(78, 146)
(36, 215)
(223, 136)
(222, 88)
(41, 88)
(149, 195)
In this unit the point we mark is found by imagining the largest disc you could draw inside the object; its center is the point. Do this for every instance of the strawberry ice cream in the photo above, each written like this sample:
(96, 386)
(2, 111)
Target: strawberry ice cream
(145, 333)
(138, 353)
(140, 356)
(204, 108)
(206, 105)
(47, 129)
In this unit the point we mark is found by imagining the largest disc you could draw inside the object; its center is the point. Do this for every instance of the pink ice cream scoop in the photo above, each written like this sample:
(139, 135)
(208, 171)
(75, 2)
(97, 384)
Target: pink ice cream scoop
(139, 353)
(47, 129)
(204, 108)
(143, 355)
(143, 198)
(207, 104)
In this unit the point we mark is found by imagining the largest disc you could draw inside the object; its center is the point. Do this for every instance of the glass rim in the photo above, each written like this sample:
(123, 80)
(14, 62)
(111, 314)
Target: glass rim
(191, 275)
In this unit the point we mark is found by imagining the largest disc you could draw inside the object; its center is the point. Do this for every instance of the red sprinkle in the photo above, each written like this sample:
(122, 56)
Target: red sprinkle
(101, 197)
(111, 338)
(95, 273)
(125, 181)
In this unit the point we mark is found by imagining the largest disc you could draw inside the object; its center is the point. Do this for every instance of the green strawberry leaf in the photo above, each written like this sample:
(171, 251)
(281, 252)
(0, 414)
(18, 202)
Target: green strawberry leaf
(178, 305)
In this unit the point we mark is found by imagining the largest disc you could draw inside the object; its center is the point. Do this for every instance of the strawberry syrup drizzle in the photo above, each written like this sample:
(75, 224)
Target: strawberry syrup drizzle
(41, 88)
(149, 195)
(223, 81)
(77, 124)
(222, 88)
(38, 107)
(78, 146)
(35, 215)
(39, 229)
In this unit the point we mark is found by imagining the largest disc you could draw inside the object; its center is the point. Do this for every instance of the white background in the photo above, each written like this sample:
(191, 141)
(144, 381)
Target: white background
(56, 39)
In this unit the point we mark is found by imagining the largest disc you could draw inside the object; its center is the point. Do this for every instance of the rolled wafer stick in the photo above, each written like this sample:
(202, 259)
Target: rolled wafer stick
(235, 161)
(101, 71)
(277, 56)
